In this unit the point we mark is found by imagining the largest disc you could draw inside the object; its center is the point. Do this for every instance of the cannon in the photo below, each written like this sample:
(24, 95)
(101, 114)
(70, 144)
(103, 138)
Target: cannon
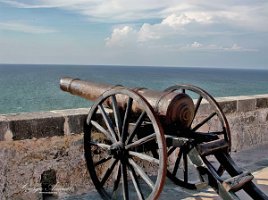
(135, 138)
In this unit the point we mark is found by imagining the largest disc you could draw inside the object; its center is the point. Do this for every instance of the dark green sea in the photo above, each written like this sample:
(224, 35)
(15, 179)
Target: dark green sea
(28, 88)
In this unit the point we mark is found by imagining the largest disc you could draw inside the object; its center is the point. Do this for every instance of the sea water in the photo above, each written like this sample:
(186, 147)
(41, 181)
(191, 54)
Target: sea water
(30, 88)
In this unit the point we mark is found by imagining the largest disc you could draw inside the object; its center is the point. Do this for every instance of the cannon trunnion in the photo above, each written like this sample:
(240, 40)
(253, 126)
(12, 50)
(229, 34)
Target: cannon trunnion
(134, 138)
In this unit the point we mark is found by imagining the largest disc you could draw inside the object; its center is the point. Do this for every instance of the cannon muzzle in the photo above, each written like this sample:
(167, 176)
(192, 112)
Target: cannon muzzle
(86, 89)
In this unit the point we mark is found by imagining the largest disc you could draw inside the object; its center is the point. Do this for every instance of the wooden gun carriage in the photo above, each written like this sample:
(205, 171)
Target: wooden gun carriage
(134, 138)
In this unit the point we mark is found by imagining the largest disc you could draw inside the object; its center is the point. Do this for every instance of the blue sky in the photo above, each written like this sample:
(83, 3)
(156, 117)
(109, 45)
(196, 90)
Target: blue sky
(223, 33)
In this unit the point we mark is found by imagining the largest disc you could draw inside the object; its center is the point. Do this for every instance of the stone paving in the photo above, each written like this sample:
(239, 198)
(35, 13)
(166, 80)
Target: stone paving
(254, 160)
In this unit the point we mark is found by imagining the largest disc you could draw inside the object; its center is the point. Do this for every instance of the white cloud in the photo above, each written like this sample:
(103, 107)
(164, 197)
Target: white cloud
(178, 27)
(243, 14)
(121, 37)
(128, 37)
(196, 45)
(23, 27)
(42, 4)
(157, 26)
(149, 32)
(175, 20)
(236, 47)
(170, 26)
(100, 10)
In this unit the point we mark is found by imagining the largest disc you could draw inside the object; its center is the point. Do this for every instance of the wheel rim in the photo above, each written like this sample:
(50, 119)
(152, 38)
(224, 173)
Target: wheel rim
(117, 155)
(180, 168)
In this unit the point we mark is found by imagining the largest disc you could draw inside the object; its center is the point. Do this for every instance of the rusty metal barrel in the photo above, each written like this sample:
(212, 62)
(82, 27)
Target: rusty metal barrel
(172, 107)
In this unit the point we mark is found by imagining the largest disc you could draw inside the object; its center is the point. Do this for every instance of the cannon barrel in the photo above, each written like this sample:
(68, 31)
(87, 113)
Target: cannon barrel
(172, 107)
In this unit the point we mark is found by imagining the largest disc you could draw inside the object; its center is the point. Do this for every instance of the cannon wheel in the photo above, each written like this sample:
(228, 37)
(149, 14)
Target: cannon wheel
(179, 172)
(120, 165)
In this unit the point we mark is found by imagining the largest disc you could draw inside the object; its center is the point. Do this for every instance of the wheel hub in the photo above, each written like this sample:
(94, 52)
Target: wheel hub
(117, 150)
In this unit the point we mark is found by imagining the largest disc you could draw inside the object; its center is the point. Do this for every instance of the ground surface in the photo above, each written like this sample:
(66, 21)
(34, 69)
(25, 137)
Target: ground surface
(254, 160)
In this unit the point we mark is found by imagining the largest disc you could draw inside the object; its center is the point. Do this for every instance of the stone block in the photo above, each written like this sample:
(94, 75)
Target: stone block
(245, 105)
(4, 157)
(228, 106)
(262, 115)
(3, 129)
(262, 102)
(67, 112)
(263, 130)
(236, 132)
(37, 128)
(76, 123)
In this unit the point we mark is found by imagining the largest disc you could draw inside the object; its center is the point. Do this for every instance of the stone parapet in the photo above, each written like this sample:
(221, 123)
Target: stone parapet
(65, 122)
(42, 124)
(243, 103)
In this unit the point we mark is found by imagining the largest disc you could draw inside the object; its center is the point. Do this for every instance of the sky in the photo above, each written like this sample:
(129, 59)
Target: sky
(221, 33)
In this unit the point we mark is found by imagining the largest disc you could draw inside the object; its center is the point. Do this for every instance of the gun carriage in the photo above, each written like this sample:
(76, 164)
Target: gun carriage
(134, 138)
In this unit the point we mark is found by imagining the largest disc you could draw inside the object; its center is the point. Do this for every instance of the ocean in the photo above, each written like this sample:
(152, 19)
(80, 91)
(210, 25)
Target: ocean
(32, 88)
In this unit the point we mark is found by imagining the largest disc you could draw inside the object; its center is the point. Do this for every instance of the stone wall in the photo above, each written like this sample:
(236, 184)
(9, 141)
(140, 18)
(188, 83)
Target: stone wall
(35, 143)
(49, 145)
(248, 120)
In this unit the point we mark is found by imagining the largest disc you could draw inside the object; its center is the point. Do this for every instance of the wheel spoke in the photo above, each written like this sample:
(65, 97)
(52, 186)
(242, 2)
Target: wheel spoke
(108, 122)
(137, 125)
(108, 172)
(102, 161)
(142, 174)
(101, 145)
(185, 168)
(171, 150)
(117, 115)
(117, 181)
(144, 157)
(101, 129)
(125, 122)
(124, 183)
(196, 107)
(135, 182)
(176, 165)
(198, 104)
(141, 141)
(204, 121)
